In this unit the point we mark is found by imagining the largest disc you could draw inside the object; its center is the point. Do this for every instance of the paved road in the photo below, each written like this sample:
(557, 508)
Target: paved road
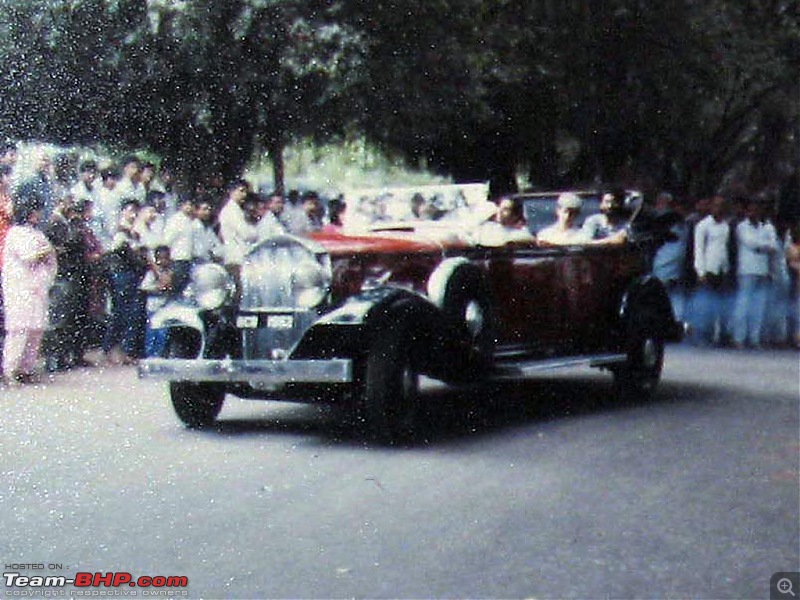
(550, 491)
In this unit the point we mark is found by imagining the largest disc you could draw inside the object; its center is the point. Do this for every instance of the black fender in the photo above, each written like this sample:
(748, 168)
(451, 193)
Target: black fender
(645, 307)
(349, 331)
(186, 331)
(193, 332)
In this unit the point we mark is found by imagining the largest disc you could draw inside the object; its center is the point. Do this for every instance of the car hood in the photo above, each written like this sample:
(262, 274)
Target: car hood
(384, 242)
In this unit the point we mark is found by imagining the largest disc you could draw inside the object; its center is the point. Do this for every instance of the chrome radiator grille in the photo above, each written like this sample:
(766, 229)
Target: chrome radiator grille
(284, 280)
(284, 273)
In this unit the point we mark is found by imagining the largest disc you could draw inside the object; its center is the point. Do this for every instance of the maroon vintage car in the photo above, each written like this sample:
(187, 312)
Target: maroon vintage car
(359, 315)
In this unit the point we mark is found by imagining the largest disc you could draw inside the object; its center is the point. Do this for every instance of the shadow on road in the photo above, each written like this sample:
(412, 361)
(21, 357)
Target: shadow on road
(456, 414)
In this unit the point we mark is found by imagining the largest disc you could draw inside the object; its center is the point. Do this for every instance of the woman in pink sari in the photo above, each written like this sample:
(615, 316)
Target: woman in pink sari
(29, 269)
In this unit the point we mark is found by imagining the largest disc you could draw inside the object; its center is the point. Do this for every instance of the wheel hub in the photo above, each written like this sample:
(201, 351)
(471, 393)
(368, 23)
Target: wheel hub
(410, 383)
(474, 318)
(649, 354)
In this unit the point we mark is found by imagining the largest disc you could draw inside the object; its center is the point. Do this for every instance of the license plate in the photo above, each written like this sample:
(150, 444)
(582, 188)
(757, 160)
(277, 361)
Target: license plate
(280, 321)
(247, 321)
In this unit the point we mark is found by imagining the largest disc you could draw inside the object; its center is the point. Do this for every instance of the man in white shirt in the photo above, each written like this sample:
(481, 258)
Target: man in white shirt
(207, 245)
(236, 232)
(711, 263)
(84, 188)
(129, 186)
(179, 236)
(565, 230)
(269, 223)
(757, 242)
(508, 225)
(107, 205)
(149, 235)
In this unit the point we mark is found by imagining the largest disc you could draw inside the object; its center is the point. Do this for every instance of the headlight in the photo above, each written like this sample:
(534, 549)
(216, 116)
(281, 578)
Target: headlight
(310, 282)
(211, 285)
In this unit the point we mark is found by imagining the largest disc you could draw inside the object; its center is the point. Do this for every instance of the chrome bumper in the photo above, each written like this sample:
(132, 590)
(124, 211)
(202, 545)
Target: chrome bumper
(264, 372)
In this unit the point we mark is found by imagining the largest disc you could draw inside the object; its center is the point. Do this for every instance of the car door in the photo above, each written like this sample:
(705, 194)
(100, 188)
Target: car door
(527, 294)
(594, 279)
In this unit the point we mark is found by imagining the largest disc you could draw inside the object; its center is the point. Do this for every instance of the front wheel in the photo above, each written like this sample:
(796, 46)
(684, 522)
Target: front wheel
(390, 389)
(638, 378)
(196, 404)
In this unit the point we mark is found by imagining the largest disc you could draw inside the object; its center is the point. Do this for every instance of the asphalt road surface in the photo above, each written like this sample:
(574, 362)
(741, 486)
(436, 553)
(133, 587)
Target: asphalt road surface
(544, 488)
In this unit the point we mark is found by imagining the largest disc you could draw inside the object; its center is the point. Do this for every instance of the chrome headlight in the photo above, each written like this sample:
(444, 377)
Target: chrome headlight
(310, 282)
(211, 285)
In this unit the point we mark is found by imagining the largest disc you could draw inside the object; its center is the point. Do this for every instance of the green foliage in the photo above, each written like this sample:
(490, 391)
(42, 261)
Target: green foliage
(692, 96)
(202, 83)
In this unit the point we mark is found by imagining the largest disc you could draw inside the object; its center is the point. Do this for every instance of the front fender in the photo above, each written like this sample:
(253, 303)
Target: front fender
(211, 333)
(178, 314)
(350, 330)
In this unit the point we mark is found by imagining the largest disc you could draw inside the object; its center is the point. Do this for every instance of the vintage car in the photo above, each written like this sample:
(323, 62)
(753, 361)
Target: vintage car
(357, 316)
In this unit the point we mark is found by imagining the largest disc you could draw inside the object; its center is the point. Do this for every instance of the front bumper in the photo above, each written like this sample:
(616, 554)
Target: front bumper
(254, 372)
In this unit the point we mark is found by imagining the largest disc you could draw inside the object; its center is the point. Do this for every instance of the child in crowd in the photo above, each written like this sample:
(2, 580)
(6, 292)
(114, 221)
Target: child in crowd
(158, 285)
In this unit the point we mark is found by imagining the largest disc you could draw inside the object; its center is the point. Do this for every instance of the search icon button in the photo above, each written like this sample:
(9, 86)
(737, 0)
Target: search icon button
(784, 585)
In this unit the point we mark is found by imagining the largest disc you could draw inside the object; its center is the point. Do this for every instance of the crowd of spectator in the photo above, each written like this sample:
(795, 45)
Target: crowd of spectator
(732, 270)
(92, 250)
(89, 251)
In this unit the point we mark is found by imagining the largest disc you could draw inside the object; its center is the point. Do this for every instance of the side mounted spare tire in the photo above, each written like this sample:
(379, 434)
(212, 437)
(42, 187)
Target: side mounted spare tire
(467, 304)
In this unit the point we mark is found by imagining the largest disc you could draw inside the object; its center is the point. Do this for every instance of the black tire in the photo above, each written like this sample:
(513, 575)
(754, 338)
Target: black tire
(638, 378)
(196, 404)
(390, 388)
(467, 304)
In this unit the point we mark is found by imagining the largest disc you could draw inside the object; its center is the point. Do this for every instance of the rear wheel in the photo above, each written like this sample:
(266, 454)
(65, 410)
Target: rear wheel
(638, 378)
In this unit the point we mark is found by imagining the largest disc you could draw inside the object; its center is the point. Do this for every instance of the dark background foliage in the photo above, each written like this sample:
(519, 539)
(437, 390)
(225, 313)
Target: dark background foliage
(690, 96)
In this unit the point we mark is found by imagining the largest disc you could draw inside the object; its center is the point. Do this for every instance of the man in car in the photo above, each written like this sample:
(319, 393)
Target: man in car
(612, 218)
(508, 225)
(565, 230)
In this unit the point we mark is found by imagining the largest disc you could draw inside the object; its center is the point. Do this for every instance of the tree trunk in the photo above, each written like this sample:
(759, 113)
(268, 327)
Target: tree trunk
(275, 151)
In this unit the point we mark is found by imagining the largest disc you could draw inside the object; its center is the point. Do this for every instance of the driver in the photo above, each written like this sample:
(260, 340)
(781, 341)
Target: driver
(507, 225)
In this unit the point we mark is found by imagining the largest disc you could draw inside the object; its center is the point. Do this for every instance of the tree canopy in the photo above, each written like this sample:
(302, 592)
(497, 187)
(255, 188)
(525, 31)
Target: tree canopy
(678, 94)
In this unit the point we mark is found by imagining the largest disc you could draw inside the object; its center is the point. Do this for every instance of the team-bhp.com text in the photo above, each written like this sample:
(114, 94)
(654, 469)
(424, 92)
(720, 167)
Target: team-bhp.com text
(25, 583)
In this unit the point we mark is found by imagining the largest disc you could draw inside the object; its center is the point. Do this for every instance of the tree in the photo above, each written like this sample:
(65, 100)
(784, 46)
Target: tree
(201, 83)
(691, 96)
(674, 93)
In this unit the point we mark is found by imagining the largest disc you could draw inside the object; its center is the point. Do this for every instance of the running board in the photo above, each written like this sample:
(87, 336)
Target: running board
(530, 367)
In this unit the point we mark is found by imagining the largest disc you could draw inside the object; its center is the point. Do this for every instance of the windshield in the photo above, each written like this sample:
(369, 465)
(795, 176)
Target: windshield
(540, 209)
(417, 207)
(454, 212)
